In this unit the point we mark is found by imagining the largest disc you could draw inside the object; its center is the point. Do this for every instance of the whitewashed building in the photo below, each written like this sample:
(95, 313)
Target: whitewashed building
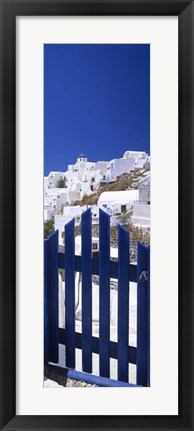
(84, 177)
(56, 198)
(144, 189)
(48, 213)
(59, 223)
(74, 210)
(141, 216)
(141, 158)
(118, 202)
(117, 167)
(130, 161)
(53, 178)
(141, 210)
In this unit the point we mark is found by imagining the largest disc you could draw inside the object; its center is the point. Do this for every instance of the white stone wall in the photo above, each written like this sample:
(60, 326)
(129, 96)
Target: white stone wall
(72, 196)
(86, 189)
(119, 166)
(137, 155)
(73, 211)
(83, 179)
(60, 222)
(141, 216)
(102, 166)
(75, 186)
(144, 189)
(54, 191)
(45, 183)
(141, 158)
(53, 179)
(55, 198)
(114, 200)
(48, 213)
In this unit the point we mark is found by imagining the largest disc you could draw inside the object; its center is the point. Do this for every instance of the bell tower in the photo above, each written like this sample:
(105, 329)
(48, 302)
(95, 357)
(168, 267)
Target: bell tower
(82, 160)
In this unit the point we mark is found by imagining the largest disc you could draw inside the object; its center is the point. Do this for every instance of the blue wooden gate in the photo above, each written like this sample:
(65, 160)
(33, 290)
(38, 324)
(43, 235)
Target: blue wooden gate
(106, 269)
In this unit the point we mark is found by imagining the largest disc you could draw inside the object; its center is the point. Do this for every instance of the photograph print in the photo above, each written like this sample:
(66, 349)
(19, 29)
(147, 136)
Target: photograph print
(97, 215)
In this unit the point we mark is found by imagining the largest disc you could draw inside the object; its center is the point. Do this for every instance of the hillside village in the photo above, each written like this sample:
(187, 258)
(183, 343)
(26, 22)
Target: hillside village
(120, 187)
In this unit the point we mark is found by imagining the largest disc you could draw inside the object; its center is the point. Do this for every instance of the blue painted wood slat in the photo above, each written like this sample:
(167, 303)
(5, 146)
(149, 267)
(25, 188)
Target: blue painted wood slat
(53, 296)
(104, 293)
(70, 293)
(148, 347)
(113, 345)
(123, 303)
(86, 228)
(46, 302)
(105, 268)
(142, 315)
(95, 267)
(88, 378)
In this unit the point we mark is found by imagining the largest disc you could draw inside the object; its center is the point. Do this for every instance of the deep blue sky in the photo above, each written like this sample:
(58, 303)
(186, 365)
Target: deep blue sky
(96, 102)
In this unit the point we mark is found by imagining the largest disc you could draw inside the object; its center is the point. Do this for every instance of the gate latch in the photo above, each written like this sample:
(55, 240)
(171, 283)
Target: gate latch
(143, 276)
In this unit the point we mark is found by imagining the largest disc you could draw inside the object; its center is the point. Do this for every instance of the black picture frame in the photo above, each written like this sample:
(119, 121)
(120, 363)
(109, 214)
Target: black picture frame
(8, 13)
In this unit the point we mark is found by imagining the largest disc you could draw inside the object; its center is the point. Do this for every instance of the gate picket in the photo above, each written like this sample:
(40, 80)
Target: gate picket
(70, 293)
(142, 315)
(123, 303)
(53, 297)
(104, 294)
(86, 291)
(148, 317)
(46, 302)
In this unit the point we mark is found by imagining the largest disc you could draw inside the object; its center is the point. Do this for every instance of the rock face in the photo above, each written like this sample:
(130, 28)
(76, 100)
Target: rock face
(78, 383)
(62, 382)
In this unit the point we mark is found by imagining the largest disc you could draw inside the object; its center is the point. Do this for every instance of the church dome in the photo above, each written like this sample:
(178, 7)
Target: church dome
(82, 155)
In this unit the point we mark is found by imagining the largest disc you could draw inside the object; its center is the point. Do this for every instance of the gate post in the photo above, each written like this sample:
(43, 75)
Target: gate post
(142, 316)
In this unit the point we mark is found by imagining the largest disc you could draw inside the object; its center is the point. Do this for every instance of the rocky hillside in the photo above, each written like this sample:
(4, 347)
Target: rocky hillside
(124, 181)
